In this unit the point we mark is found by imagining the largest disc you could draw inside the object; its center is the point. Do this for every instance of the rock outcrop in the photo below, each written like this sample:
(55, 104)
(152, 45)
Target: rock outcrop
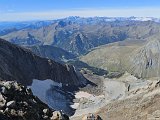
(145, 61)
(18, 103)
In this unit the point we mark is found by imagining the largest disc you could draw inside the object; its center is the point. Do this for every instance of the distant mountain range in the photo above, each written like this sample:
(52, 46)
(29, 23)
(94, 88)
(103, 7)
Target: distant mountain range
(80, 20)
(7, 27)
(79, 35)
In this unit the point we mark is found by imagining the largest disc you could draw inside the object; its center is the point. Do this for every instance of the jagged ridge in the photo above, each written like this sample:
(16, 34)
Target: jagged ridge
(22, 65)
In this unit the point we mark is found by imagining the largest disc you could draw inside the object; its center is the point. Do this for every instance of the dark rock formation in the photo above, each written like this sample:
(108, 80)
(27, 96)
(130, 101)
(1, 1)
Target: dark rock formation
(18, 103)
(22, 65)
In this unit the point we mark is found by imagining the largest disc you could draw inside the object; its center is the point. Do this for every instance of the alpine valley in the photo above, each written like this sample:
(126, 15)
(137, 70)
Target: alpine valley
(102, 68)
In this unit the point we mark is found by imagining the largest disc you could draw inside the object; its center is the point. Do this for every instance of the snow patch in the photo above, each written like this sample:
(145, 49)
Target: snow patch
(82, 94)
(90, 97)
(75, 105)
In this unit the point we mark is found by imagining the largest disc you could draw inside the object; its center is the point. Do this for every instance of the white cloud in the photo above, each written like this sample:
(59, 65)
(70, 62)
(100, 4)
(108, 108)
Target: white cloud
(10, 10)
(53, 14)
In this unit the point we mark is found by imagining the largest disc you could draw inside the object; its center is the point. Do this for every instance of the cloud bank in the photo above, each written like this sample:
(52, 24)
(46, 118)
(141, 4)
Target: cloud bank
(54, 14)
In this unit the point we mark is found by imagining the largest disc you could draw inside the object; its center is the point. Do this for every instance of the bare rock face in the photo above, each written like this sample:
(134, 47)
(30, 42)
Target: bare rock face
(141, 104)
(145, 61)
(18, 103)
(155, 115)
(23, 66)
(139, 59)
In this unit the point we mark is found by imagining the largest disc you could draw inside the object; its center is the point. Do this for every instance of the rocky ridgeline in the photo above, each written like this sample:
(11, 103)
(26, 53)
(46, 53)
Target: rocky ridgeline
(18, 103)
(21, 65)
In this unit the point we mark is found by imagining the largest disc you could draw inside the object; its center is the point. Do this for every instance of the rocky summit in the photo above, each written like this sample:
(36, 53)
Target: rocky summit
(18, 103)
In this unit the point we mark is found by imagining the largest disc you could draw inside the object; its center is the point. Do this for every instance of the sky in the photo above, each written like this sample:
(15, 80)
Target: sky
(23, 10)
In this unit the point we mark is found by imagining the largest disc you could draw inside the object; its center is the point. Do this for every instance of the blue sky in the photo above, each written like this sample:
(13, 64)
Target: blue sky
(15, 10)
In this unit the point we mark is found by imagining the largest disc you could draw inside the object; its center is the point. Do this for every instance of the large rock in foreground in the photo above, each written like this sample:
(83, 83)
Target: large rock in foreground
(18, 103)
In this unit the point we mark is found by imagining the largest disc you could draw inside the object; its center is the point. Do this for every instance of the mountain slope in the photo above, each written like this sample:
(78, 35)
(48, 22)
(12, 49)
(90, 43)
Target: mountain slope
(143, 106)
(140, 59)
(112, 57)
(23, 66)
(145, 61)
(52, 52)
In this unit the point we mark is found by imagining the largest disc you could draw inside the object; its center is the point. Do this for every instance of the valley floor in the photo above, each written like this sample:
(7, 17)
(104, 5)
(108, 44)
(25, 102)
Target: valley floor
(123, 98)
